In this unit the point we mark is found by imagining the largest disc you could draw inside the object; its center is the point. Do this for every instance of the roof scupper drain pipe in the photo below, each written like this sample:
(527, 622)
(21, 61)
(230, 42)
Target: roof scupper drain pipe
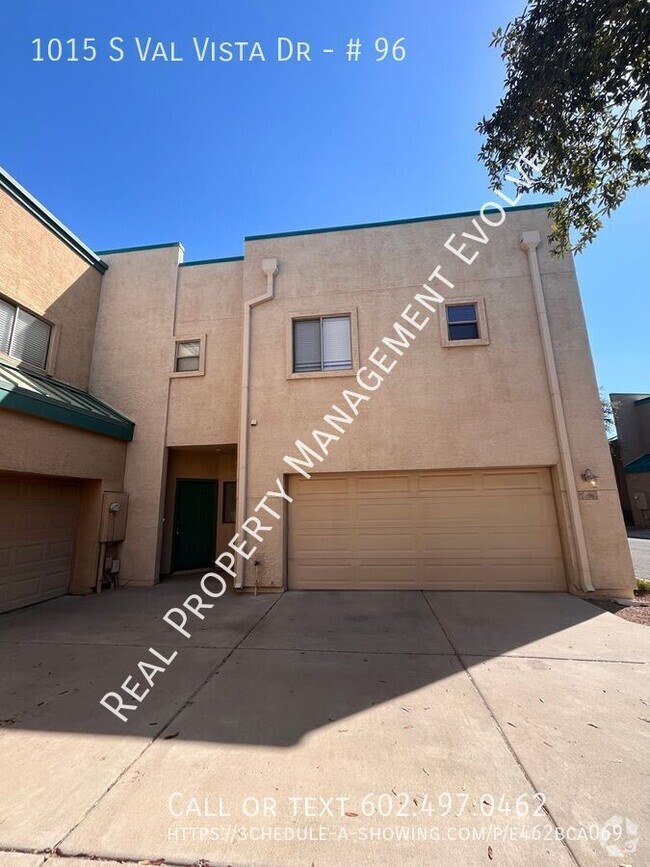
(270, 268)
(529, 243)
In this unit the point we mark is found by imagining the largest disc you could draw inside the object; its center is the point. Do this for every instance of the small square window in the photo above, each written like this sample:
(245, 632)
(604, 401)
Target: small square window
(462, 322)
(188, 356)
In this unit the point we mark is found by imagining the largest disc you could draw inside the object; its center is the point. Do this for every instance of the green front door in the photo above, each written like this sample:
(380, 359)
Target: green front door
(195, 523)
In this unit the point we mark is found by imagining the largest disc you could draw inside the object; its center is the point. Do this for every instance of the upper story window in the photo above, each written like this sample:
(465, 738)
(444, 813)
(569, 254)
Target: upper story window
(464, 323)
(23, 335)
(321, 344)
(188, 355)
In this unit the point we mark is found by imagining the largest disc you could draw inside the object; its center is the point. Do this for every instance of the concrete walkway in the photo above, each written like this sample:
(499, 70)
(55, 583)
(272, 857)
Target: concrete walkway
(373, 728)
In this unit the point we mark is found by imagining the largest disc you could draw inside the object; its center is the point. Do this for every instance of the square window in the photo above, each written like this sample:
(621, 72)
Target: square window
(322, 344)
(188, 356)
(462, 322)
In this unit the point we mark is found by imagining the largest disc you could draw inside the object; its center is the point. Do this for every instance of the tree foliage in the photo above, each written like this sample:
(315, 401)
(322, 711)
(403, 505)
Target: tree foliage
(609, 413)
(577, 94)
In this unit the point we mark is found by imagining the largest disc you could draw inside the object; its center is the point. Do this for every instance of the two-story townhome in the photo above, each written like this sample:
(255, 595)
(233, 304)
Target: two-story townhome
(427, 418)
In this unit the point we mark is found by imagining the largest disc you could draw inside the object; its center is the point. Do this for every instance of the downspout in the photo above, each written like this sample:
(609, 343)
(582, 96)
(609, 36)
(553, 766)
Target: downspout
(270, 268)
(529, 243)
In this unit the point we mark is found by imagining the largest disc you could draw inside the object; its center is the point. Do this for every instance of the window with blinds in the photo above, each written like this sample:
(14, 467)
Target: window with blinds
(23, 335)
(188, 355)
(322, 344)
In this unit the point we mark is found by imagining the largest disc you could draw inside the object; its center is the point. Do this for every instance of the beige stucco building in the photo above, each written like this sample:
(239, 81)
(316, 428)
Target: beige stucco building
(631, 454)
(157, 401)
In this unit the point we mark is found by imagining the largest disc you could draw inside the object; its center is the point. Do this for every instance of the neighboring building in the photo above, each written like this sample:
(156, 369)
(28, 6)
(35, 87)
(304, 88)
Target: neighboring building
(464, 471)
(631, 456)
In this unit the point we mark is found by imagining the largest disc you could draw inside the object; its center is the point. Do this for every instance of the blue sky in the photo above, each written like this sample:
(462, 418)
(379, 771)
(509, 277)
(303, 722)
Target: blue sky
(135, 153)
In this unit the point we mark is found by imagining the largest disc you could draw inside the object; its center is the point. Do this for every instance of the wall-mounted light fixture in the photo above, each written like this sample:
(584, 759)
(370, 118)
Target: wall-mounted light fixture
(590, 477)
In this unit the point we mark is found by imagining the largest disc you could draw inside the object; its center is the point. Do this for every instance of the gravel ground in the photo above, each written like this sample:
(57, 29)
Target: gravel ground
(639, 612)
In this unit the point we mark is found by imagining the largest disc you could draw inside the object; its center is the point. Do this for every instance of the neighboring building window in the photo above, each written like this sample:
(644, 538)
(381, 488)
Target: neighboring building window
(23, 335)
(322, 344)
(462, 322)
(188, 356)
(229, 502)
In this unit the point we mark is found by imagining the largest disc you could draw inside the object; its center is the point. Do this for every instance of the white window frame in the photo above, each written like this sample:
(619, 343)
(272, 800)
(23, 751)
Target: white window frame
(48, 366)
(319, 314)
(483, 338)
(201, 339)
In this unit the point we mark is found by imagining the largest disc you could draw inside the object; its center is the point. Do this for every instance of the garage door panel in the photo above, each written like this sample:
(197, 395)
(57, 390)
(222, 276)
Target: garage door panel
(27, 554)
(383, 485)
(37, 529)
(325, 544)
(510, 481)
(373, 544)
(446, 482)
(475, 530)
(321, 486)
(61, 550)
(387, 513)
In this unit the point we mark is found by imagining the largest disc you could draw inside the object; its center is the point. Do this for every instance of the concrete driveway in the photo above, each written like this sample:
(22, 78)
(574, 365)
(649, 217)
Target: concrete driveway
(326, 729)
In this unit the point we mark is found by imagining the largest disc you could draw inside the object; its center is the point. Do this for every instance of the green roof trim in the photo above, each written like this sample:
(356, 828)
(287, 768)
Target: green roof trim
(19, 193)
(136, 249)
(211, 261)
(640, 465)
(395, 222)
(39, 395)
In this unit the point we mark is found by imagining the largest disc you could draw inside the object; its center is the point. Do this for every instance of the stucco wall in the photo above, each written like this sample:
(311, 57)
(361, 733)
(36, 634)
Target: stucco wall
(34, 445)
(42, 273)
(484, 406)
(205, 409)
(134, 349)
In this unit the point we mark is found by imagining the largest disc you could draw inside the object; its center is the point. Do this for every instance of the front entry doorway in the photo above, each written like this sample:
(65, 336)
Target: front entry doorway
(195, 524)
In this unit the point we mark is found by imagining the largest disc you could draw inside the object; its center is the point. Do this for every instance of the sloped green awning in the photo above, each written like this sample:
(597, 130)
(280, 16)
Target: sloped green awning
(48, 398)
(640, 465)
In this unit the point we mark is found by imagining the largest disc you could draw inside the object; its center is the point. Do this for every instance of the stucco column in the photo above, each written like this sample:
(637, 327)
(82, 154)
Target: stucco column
(529, 243)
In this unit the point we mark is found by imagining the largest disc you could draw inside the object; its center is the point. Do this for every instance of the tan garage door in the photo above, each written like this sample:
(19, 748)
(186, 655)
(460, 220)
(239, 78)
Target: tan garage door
(466, 530)
(37, 527)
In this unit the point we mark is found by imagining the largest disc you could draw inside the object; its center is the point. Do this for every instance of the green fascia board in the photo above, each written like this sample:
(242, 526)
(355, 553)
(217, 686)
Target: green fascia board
(640, 465)
(137, 249)
(40, 405)
(429, 219)
(211, 261)
(11, 186)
